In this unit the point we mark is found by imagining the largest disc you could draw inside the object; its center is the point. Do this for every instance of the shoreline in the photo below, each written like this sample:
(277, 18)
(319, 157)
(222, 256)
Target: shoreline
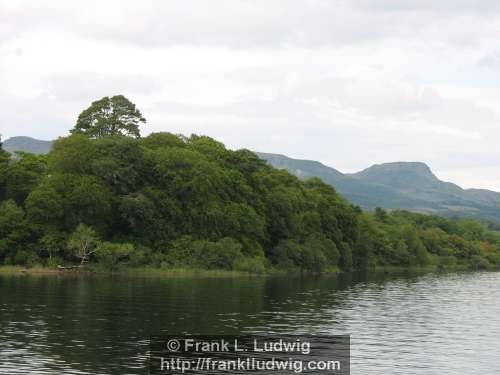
(182, 272)
(140, 272)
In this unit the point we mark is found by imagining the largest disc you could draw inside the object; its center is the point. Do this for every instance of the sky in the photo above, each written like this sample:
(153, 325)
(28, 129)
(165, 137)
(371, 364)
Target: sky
(349, 83)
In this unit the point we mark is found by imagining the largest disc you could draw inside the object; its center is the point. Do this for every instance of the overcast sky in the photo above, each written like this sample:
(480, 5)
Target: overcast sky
(347, 82)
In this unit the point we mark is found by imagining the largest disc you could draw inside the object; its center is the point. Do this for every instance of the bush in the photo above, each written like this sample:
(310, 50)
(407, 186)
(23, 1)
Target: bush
(221, 254)
(315, 254)
(313, 259)
(446, 251)
(402, 254)
(494, 258)
(204, 254)
(479, 263)
(33, 260)
(447, 261)
(111, 255)
(345, 256)
(54, 262)
(141, 256)
(286, 254)
(160, 260)
(252, 265)
(325, 249)
(20, 258)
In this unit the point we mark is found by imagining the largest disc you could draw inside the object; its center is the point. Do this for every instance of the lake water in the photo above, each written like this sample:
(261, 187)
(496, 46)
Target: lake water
(409, 324)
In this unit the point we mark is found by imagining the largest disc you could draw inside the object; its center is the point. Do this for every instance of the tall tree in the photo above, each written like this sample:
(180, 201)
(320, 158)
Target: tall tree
(110, 116)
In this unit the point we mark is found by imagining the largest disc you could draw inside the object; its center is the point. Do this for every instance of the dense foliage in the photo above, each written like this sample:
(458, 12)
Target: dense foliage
(171, 201)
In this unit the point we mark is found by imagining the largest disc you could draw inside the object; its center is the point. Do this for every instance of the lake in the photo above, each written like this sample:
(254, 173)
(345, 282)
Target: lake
(405, 324)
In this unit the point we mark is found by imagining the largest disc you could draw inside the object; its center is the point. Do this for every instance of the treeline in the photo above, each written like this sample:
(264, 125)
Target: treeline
(171, 201)
(107, 197)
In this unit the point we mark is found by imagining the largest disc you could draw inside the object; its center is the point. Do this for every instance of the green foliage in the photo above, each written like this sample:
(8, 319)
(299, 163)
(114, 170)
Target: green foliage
(52, 244)
(22, 175)
(171, 201)
(346, 261)
(83, 242)
(72, 154)
(400, 185)
(186, 252)
(480, 263)
(15, 235)
(109, 116)
(140, 257)
(414, 245)
(447, 261)
(381, 214)
(111, 255)
(316, 253)
(252, 265)
(4, 164)
(64, 200)
(470, 229)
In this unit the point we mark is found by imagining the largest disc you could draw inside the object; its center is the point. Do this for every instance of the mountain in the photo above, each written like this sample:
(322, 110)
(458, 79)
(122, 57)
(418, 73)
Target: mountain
(400, 185)
(27, 144)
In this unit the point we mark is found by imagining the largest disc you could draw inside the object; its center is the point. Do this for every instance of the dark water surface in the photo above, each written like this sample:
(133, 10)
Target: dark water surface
(413, 324)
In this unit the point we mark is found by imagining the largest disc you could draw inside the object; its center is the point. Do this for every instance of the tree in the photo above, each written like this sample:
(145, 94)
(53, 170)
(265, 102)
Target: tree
(4, 163)
(381, 214)
(109, 116)
(14, 234)
(51, 244)
(83, 243)
(2, 151)
(23, 175)
(111, 254)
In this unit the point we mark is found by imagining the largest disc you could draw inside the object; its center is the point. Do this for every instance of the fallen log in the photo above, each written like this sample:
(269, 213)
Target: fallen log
(64, 268)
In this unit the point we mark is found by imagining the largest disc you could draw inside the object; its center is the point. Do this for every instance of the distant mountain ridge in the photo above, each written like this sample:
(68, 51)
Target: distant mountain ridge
(27, 144)
(399, 185)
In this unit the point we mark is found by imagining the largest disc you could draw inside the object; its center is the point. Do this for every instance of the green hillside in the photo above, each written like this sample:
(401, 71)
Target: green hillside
(401, 185)
(27, 144)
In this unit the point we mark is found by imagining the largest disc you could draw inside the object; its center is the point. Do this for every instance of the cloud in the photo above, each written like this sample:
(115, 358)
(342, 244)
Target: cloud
(84, 86)
(244, 23)
(447, 6)
(349, 83)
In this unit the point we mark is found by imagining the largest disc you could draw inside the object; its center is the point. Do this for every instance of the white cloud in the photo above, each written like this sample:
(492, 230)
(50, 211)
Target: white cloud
(347, 82)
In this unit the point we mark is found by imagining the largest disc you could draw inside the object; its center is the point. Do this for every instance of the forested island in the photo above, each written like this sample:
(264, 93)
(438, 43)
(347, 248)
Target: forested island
(106, 198)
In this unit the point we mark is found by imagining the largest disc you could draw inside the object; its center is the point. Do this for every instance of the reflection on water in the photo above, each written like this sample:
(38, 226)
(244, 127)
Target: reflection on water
(427, 324)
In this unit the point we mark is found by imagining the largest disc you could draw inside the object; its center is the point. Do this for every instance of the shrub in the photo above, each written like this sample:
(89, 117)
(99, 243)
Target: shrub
(447, 261)
(111, 255)
(345, 256)
(20, 258)
(286, 254)
(479, 263)
(54, 261)
(313, 259)
(494, 258)
(204, 254)
(221, 254)
(141, 256)
(252, 265)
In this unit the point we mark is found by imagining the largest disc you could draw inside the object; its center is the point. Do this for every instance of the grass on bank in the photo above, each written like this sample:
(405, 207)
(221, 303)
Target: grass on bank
(141, 271)
(195, 272)
(14, 270)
